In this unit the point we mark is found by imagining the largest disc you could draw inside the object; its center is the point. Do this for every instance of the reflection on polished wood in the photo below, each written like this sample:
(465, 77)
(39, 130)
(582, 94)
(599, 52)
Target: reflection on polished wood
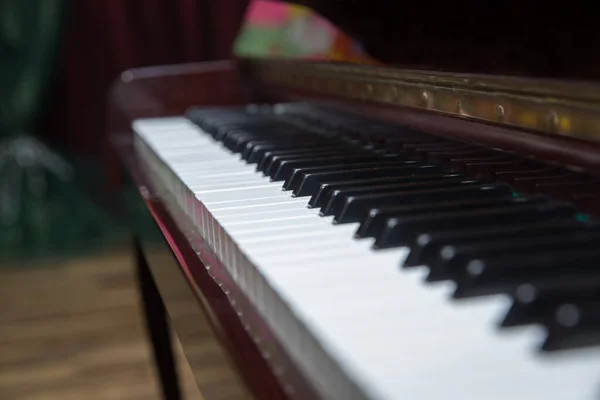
(260, 361)
(72, 330)
(208, 359)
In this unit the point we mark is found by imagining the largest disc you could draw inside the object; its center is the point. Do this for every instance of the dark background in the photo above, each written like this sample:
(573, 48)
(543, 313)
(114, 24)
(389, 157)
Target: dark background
(58, 59)
(526, 37)
(104, 38)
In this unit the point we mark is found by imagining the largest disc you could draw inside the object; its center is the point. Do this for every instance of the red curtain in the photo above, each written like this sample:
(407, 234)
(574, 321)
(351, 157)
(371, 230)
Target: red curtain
(105, 37)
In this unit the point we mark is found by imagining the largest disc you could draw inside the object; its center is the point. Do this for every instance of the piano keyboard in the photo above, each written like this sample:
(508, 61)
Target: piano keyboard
(394, 264)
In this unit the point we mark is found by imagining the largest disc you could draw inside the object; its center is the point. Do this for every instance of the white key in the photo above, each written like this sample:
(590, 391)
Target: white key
(255, 192)
(384, 328)
(263, 206)
(284, 212)
(246, 202)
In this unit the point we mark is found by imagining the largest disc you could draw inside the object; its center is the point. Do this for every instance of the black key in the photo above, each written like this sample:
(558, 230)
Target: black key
(376, 219)
(309, 159)
(427, 147)
(416, 140)
(286, 167)
(250, 146)
(453, 147)
(307, 183)
(265, 164)
(275, 135)
(326, 190)
(399, 135)
(564, 191)
(356, 208)
(285, 142)
(444, 156)
(480, 168)
(341, 199)
(254, 152)
(534, 299)
(588, 202)
(236, 139)
(489, 168)
(575, 324)
(401, 144)
(294, 179)
(503, 270)
(274, 160)
(223, 131)
(510, 176)
(262, 127)
(210, 123)
(426, 246)
(402, 231)
(195, 113)
(477, 270)
(476, 165)
(405, 134)
(528, 184)
(264, 156)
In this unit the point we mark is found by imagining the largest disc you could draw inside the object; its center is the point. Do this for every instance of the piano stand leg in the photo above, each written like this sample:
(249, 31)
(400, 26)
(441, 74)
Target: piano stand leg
(157, 325)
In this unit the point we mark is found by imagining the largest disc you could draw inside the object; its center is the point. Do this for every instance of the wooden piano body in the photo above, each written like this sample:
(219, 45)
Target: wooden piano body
(554, 120)
(246, 361)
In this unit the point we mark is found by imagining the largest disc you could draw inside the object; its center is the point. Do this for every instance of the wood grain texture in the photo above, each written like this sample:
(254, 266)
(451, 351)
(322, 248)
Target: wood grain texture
(72, 329)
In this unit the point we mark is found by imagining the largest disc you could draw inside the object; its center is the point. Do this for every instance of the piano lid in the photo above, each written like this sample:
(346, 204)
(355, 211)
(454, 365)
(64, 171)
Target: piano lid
(527, 38)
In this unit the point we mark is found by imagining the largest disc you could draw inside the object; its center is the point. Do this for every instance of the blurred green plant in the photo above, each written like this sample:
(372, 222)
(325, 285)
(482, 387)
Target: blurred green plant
(30, 36)
(43, 209)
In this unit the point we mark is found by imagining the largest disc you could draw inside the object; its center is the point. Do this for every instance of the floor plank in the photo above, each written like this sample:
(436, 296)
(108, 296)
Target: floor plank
(72, 329)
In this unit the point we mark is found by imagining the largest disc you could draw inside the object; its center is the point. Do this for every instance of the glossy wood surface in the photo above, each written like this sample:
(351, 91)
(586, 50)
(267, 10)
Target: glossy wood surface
(258, 359)
(186, 271)
(168, 90)
(259, 362)
(191, 320)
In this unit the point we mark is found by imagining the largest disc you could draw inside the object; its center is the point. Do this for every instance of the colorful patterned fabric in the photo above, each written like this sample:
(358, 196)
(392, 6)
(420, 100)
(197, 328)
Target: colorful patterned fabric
(277, 29)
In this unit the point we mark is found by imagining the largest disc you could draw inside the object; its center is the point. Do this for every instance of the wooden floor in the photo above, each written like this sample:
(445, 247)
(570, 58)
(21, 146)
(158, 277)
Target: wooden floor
(73, 330)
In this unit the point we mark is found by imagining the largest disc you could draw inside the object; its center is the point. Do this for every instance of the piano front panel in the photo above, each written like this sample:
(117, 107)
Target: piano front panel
(333, 363)
(193, 281)
(255, 347)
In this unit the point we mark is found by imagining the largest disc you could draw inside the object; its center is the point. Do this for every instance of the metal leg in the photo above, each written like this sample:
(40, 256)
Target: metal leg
(157, 325)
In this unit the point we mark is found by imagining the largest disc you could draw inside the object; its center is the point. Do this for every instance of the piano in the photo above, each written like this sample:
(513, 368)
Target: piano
(423, 228)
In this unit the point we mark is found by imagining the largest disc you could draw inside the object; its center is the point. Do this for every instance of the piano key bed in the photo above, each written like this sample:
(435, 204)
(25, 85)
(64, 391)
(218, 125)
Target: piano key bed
(392, 263)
